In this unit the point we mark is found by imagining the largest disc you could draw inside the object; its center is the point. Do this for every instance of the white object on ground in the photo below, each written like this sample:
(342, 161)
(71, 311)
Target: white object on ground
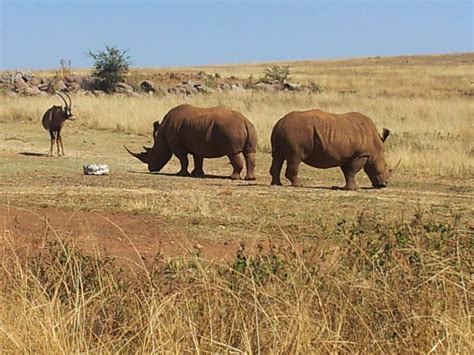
(96, 169)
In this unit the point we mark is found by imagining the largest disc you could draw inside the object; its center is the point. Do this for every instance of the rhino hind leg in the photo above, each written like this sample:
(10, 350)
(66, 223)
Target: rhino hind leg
(291, 173)
(350, 170)
(275, 169)
(250, 166)
(237, 165)
(183, 159)
(198, 171)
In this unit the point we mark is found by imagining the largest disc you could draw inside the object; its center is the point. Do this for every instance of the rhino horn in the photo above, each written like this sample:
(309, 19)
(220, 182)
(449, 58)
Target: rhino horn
(146, 149)
(140, 156)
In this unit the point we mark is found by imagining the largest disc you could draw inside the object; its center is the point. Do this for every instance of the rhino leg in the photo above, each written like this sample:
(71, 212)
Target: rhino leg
(237, 164)
(291, 173)
(250, 166)
(183, 159)
(198, 172)
(350, 170)
(275, 169)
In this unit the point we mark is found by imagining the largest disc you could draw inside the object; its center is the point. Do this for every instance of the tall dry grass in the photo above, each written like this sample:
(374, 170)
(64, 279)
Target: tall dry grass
(363, 287)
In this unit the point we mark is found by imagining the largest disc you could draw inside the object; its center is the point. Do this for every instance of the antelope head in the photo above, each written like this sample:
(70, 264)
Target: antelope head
(67, 109)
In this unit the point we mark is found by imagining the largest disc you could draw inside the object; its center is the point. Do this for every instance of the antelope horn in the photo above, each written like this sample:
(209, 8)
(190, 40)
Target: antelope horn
(70, 101)
(62, 97)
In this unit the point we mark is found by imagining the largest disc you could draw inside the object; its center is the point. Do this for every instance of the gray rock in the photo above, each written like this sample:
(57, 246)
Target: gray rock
(291, 87)
(57, 85)
(147, 86)
(96, 169)
(19, 82)
(27, 76)
(30, 91)
(98, 93)
(201, 88)
(73, 86)
(123, 88)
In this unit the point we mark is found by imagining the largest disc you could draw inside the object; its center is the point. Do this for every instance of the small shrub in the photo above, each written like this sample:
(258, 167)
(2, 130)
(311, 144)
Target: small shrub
(110, 66)
(277, 73)
(314, 87)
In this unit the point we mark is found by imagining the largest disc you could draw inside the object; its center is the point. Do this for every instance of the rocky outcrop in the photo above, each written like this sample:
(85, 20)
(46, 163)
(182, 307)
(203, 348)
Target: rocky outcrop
(183, 84)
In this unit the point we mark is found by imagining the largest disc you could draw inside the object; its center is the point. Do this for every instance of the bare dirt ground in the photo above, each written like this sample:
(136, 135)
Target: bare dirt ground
(121, 235)
(133, 214)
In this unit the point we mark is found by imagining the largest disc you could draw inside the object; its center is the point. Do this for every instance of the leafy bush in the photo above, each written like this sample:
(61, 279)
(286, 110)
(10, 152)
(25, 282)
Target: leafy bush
(110, 66)
(279, 73)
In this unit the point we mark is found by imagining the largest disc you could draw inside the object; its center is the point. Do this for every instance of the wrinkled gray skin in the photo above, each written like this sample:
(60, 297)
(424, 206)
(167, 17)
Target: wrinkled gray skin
(204, 133)
(53, 121)
(325, 140)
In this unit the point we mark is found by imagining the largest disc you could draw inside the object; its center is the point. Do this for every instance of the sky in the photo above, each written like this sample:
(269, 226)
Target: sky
(37, 34)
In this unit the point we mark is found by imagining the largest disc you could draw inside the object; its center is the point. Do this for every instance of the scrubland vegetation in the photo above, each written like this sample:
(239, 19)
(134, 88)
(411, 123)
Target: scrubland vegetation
(386, 271)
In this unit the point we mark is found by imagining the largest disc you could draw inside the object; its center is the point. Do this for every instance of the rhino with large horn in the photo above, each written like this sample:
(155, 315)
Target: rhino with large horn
(325, 140)
(204, 133)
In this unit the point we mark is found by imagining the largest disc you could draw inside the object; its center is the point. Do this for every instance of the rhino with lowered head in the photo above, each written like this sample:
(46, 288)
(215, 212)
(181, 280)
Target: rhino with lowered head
(204, 133)
(325, 140)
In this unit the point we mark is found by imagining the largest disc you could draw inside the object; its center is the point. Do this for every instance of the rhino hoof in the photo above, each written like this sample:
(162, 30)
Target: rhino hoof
(197, 174)
(183, 173)
(235, 176)
(251, 177)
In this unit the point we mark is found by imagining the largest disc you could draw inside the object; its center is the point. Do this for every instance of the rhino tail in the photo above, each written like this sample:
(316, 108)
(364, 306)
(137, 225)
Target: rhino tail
(251, 142)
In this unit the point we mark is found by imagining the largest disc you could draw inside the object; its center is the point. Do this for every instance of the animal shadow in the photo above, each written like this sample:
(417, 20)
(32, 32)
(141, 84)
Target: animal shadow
(207, 176)
(33, 154)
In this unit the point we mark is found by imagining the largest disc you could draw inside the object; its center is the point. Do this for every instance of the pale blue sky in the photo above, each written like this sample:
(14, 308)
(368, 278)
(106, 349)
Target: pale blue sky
(37, 34)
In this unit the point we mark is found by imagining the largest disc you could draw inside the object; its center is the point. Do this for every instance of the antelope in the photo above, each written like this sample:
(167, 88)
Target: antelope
(53, 121)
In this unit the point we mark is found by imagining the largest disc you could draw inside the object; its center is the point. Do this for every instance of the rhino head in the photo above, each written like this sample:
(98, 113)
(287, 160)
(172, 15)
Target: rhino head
(376, 168)
(155, 157)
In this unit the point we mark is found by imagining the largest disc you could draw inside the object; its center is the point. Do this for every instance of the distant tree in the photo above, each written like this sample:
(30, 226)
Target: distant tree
(110, 66)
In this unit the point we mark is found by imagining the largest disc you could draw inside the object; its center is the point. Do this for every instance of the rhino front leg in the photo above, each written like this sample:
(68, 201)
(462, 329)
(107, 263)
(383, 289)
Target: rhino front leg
(291, 173)
(250, 166)
(237, 164)
(183, 159)
(350, 170)
(198, 172)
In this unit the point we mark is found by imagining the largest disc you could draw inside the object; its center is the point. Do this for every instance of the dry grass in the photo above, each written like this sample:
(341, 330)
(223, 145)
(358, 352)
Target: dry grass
(362, 287)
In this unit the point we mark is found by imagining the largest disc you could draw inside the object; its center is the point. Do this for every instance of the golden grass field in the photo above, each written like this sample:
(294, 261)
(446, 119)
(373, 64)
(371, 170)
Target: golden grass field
(139, 262)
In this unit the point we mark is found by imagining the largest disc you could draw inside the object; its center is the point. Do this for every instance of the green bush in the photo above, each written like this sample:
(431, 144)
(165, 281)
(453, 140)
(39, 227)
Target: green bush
(110, 67)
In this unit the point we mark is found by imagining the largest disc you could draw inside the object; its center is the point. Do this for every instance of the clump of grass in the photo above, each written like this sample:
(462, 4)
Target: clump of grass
(362, 287)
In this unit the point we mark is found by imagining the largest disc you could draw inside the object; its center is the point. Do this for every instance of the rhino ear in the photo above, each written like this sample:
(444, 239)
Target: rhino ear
(385, 134)
(156, 125)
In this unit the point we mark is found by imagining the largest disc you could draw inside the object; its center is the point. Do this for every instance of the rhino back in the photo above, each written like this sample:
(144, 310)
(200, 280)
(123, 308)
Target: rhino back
(323, 139)
(206, 132)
